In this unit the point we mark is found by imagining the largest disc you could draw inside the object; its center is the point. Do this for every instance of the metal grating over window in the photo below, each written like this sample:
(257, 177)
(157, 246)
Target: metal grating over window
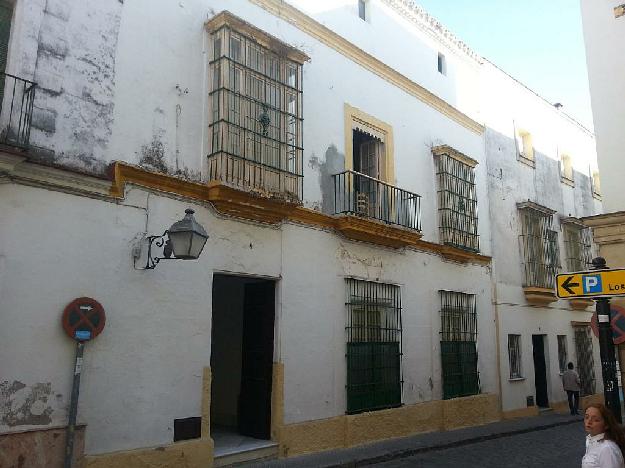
(256, 116)
(514, 356)
(373, 346)
(585, 359)
(539, 243)
(562, 353)
(457, 203)
(578, 245)
(459, 344)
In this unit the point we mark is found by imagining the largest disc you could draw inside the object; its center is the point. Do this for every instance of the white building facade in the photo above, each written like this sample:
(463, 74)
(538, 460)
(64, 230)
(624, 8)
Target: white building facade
(348, 291)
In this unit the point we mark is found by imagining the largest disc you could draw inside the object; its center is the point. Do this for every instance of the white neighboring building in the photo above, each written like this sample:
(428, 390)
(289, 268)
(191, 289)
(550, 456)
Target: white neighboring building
(332, 305)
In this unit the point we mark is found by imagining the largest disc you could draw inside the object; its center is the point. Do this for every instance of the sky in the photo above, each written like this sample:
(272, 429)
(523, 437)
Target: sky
(538, 42)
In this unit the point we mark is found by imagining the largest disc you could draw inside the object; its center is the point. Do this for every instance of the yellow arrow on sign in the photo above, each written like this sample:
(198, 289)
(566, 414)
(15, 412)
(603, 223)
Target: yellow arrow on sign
(591, 284)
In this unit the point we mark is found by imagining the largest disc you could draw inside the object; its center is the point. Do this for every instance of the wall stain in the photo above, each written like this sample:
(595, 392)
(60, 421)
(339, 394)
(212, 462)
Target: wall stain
(334, 163)
(368, 267)
(152, 157)
(22, 405)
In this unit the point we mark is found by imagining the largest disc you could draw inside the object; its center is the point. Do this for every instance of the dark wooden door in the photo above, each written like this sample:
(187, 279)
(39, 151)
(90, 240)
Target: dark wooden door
(254, 412)
(540, 371)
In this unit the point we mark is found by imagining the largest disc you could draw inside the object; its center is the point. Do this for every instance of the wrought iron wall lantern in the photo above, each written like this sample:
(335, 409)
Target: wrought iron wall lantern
(184, 240)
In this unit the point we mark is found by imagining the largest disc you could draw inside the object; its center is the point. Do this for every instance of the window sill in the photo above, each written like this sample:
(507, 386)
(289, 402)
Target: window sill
(527, 161)
(516, 379)
(567, 181)
(597, 196)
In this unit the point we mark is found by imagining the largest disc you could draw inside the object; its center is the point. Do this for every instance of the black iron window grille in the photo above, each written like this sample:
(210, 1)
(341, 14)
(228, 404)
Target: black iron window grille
(578, 246)
(514, 356)
(562, 353)
(457, 203)
(16, 110)
(373, 346)
(362, 195)
(256, 116)
(459, 344)
(585, 359)
(539, 244)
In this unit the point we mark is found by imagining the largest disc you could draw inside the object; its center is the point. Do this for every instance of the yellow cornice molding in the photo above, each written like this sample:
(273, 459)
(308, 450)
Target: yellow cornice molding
(313, 28)
(539, 296)
(252, 206)
(455, 154)
(225, 18)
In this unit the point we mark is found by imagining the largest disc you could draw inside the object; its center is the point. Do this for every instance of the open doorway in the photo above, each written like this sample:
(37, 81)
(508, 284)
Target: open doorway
(540, 371)
(241, 362)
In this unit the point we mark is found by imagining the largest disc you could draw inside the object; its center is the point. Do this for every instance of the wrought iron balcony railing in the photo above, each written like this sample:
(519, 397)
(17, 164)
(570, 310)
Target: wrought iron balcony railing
(17, 96)
(361, 195)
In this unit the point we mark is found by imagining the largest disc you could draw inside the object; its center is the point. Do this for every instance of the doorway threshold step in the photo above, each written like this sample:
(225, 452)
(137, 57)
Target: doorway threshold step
(240, 455)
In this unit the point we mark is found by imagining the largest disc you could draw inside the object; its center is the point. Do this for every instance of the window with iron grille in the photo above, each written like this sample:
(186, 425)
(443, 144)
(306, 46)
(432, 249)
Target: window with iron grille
(539, 244)
(459, 344)
(578, 245)
(514, 356)
(585, 359)
(256, 116)
(457, 203)
(562, 353)
(373, 346)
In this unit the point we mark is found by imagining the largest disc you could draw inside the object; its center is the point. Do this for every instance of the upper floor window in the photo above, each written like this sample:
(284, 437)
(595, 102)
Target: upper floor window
(577, 243)
(442, 64)
(566, 169)
(619, 11)
(539, 245)
(256, 109)
(457, 199)
(596, 184)
(525, 146)
(363, 8)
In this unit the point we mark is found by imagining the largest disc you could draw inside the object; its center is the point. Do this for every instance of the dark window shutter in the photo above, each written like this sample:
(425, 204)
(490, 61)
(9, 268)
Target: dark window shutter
(6, 13)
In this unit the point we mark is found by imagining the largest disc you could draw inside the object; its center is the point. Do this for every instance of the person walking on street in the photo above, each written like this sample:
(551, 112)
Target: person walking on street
(570, 382)
(605, 441)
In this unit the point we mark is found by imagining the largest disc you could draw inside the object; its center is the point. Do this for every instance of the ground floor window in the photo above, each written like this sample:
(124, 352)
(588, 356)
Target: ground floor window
(562, 354)
(459, 344)
(373, 346)
(585, 359)
(514, 356)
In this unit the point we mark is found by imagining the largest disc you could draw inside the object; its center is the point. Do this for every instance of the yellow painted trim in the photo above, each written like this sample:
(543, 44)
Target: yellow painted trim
(253, 206)
(351, 430)
(353, 114)
(580, 304)
(455, 154)
(207, 380)
(266, 40)
(277, 400)
(313, 28)
(521, 413)
(539, 296)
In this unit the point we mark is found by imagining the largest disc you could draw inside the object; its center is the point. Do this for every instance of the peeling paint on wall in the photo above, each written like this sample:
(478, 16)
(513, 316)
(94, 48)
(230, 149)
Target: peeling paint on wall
(22, 405)
(152, 157)
(355, 265)
(333, 164)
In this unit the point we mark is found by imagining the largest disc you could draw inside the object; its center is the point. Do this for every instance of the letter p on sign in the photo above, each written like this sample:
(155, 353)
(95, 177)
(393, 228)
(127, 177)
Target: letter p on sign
(592, 284)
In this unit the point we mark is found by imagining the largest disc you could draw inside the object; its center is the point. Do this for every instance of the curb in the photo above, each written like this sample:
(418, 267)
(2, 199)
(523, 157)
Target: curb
(458, 443)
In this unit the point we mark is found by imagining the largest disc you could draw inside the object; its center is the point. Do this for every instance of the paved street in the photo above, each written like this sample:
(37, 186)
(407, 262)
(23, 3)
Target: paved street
(558, 447)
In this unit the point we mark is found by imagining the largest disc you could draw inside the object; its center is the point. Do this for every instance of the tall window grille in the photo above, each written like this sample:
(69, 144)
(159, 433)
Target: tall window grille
(457, 203)
(578, 245)
(256, 116)
(585, 359)
(459, 344)
(373, 346)
(562, 353)
(514, 356)
(539, 243)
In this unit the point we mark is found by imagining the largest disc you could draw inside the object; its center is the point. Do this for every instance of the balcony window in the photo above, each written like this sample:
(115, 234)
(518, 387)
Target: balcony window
(566, 169)
(459, 344)
(577, 243)
(256, 111)
(539, 246)
(373, 346)
(457, 199)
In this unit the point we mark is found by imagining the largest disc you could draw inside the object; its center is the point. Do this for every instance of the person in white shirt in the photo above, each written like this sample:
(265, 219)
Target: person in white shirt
(605, 440)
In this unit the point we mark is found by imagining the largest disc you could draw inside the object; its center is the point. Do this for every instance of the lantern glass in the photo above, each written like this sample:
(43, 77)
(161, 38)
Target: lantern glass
(187, 237)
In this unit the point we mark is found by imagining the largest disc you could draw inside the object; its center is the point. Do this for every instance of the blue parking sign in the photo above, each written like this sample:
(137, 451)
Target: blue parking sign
(592, 284)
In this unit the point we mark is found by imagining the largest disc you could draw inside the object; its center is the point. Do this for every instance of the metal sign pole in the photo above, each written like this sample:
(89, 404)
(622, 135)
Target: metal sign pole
(73, 407)
(606, 347)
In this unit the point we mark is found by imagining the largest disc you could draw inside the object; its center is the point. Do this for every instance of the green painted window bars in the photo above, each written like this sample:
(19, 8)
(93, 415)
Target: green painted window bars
(459, 344)
(256, 116)
(539, 245)
(373, 332)
(578, 245)
(457, 203)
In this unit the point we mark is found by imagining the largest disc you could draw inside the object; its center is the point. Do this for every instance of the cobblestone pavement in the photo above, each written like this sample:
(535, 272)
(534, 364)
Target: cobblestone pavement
(558, 447)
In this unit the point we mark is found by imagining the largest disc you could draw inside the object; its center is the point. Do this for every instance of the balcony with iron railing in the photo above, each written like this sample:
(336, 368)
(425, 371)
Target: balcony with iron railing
(17, 96)
(364, 196)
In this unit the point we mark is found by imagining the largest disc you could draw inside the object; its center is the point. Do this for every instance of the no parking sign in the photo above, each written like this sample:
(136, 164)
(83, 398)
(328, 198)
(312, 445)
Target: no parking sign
(617, 322)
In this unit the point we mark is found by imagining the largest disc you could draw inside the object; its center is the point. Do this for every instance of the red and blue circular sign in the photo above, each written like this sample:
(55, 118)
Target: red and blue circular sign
(617, 323)
(83, 319)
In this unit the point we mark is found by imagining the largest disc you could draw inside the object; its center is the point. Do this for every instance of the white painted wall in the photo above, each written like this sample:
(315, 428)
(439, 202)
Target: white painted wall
(603, 35)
